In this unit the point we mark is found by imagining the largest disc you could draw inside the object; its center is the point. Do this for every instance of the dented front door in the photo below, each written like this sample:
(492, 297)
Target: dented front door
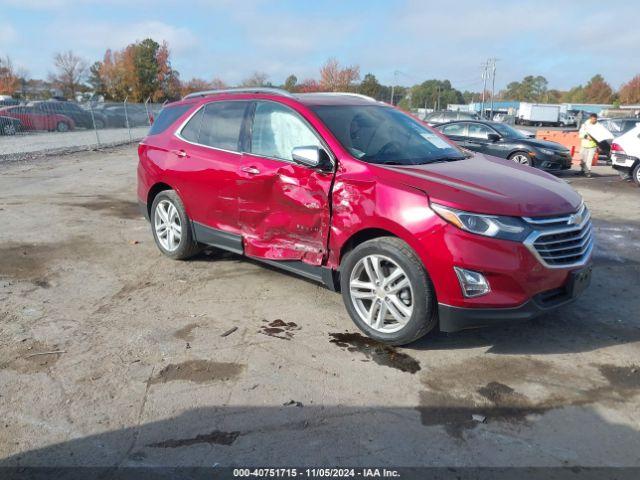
(283, 209)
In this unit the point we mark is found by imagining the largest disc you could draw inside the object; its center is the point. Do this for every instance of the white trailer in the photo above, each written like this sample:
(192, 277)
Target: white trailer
(538, 114)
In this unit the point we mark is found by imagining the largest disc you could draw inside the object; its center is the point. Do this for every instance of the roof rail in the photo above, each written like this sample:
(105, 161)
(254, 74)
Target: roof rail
(359, 95)
(273, 91)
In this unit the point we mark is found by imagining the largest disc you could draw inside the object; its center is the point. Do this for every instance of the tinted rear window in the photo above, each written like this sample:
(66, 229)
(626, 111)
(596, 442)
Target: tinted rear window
(166, 117)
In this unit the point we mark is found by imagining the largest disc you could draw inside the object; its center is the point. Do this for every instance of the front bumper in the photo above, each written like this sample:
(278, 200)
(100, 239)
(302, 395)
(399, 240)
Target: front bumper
(558, 161)
(454, 319)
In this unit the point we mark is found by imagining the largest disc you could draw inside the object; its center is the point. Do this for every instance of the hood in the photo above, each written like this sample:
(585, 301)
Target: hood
(535, 142)
(490, 185)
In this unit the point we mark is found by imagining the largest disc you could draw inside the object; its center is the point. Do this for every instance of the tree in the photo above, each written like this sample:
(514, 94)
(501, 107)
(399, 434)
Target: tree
(531, 89)
(435, 94)
(218, 84)
(257, 79)
(370, 86)
(309, 86)
(95, 79)
(575, 95)
(70, 72)
(194, 85)
(598, 91)
(630, 91)
(139, 71)
(334, 78)
(290, 83)
(9, 81)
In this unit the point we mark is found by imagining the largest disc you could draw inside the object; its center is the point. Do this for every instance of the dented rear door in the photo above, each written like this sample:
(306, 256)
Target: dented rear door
(283, 207)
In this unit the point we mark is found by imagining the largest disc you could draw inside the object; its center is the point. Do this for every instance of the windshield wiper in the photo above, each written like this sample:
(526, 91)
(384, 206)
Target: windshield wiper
(446, 159)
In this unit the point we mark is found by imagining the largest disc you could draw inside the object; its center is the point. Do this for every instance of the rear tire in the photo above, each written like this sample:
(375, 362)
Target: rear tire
(405, 297)
(62, 127)
(636, 174)
(171, 226)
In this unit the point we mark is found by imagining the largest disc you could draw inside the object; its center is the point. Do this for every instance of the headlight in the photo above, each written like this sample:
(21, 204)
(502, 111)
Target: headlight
(506, 228)
(548, 151)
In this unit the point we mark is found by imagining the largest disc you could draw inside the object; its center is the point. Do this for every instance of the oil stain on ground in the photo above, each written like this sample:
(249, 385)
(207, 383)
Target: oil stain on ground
(455, 393)
(31, 261)
(112, 206)
(198, 371)
(279, 329)
(378, 352)
(216, 437)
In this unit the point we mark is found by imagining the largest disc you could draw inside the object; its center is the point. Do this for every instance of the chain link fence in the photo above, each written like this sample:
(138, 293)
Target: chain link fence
(63, 125)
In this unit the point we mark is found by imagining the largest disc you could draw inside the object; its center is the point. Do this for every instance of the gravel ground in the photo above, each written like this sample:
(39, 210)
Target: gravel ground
(28, 144)
(112, 355)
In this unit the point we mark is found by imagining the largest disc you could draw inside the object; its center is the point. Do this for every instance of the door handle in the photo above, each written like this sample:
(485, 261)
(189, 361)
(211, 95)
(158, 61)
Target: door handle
(250, 170)
(180, 153)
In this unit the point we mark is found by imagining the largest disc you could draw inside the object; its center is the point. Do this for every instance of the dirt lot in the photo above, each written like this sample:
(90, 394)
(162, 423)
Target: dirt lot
(112, 355)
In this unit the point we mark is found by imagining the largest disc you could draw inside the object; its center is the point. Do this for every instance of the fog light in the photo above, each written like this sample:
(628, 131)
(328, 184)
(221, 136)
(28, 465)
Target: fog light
(473, 284)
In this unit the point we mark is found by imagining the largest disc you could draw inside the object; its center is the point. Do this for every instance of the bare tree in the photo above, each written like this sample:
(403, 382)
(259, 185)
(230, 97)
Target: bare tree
(335, 78)
(71, 71)
(258, 79)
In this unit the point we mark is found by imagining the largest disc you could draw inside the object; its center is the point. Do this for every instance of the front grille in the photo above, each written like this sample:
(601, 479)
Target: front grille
(562, 241)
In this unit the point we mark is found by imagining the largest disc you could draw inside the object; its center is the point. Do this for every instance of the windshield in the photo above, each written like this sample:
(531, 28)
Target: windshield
(383, 135)
(507, 131)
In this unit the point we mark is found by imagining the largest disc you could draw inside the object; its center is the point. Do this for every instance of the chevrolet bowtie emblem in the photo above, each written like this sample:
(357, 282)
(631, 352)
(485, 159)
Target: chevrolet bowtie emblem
(575, 219)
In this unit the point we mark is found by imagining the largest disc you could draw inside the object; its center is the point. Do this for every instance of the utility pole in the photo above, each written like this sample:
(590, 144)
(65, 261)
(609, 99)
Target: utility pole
(493, 81)
(393, 87)
(485, 67)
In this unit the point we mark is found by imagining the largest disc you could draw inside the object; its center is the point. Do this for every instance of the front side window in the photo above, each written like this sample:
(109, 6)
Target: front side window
(221, 125)
(383, 135)
(277, 130)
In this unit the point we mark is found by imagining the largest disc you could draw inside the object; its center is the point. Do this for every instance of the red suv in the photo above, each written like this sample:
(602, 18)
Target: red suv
(415, 232)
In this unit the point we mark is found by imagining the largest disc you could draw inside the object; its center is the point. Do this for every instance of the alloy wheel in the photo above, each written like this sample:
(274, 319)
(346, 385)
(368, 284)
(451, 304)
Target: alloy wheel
(521, 159)
(381, 293)
(9, 129)
(167, 225)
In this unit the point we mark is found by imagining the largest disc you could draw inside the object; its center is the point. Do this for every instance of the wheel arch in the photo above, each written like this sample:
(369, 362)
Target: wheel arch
(154, 191)
(388, 229)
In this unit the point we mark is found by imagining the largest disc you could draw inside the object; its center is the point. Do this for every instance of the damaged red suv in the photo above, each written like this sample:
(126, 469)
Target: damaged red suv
(415, 232)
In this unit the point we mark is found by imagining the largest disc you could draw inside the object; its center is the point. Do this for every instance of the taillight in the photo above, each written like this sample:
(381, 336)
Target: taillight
(616, 148)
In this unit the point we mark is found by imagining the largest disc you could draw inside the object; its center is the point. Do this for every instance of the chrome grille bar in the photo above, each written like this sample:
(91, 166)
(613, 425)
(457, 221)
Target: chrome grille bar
(557, 243)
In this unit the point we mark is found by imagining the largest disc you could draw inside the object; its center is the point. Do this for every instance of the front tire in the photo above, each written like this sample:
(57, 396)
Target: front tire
(521, 158)
(62, 127)
(387, 291)
(171, 227)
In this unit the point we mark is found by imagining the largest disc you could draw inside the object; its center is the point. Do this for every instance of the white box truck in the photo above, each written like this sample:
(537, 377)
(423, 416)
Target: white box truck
(538, 114)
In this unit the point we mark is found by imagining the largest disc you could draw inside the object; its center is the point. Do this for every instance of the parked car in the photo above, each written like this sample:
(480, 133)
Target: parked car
(500, 140)
(625, 154)
(415, 232)
(34, 119)
(443, 116)
(9, 125)
(115, 116)
(81, 117)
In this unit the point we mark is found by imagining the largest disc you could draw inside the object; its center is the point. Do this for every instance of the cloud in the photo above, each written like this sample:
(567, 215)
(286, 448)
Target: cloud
(103, 35)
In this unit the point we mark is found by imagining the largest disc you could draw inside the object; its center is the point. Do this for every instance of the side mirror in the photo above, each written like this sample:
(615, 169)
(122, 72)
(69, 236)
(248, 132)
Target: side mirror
(494, 137)
(312, 156)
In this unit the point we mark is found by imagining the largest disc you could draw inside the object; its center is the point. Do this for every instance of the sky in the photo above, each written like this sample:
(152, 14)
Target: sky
(565, 41)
